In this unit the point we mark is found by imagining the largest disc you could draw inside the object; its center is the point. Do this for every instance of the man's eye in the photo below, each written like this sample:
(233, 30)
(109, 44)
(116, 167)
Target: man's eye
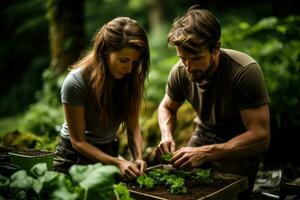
(196, 58)
(123, 60)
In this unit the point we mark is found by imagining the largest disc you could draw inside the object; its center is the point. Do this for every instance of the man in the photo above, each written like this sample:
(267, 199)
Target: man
(226, 89)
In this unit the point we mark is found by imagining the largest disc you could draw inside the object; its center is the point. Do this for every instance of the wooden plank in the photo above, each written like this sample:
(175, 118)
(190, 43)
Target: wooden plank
(229, 192)
(144, 196)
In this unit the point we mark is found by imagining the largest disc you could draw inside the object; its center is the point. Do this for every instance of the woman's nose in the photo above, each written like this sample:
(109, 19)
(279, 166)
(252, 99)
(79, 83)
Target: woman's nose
(128, 68)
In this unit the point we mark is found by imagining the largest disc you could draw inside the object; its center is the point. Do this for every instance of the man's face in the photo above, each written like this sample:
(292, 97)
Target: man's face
(199, 65)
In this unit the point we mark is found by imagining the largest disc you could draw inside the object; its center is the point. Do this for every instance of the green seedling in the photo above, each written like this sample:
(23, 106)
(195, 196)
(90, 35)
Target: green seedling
(174, 181)
(167, 156)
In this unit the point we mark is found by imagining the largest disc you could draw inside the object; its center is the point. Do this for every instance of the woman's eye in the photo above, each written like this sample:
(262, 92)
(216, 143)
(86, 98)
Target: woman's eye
(136, 63)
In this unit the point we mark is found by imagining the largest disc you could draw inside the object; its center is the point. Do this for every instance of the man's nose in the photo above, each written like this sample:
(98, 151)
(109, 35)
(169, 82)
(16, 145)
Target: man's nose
(189, 66)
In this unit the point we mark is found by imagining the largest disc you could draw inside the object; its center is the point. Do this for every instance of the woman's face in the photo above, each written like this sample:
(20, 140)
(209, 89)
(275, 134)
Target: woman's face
(122, 62)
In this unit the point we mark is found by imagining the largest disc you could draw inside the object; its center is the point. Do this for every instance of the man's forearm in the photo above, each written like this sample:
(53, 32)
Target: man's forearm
(242, 146)
(167, 122)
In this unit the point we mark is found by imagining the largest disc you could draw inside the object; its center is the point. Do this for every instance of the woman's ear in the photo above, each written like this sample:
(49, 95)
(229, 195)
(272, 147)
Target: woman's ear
(218, 44)
(217, 47)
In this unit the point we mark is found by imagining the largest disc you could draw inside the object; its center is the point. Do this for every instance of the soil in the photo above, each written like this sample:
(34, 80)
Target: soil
(196, 189)
(32, 152)
(4, 157)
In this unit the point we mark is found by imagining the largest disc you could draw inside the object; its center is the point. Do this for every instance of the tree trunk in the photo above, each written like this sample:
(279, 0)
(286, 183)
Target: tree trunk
(66, 32)
(156, 15)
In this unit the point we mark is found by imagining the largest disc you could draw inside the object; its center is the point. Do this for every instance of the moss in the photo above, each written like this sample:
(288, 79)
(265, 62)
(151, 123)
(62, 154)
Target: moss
(20, 140)
(183, 131)
(185, 124)
(151, 132)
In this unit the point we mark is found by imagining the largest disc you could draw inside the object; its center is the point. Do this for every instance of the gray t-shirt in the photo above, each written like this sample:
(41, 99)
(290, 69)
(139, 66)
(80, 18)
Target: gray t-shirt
(237, 84)
(75, 91)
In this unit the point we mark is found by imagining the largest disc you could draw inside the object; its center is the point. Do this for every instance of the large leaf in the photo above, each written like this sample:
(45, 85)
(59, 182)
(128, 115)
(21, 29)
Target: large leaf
(3, 181)
(21, 180)
(97, 179)
(62, 192)
(39, 169)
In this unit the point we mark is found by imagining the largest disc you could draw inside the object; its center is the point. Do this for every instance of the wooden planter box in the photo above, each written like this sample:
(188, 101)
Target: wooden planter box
(27, 158)
(225, 187)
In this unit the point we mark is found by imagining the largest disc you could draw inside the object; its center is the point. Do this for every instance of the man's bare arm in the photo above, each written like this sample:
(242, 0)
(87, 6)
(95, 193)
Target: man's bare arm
(254, 140)
(167, 119)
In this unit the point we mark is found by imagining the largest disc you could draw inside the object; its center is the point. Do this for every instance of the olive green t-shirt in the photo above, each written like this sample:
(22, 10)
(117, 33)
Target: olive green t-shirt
(237, 84)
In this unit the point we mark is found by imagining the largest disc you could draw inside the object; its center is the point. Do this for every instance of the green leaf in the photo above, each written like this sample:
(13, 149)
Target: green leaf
(203, 175)
(51, 181)
(21, 180)
(58, 186)
(62, 193)
(146, 181)
(122, 193)
(39, 169)
(3, 181)
(167, 156)
(97, 180)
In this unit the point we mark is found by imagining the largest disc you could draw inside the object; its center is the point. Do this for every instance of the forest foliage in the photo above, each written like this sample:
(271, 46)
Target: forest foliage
(30, 99)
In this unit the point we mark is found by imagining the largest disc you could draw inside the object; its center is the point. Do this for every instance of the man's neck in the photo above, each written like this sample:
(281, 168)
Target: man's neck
(214, 67)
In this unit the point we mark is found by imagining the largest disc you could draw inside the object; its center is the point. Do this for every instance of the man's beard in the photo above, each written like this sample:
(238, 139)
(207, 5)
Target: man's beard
(201, 76)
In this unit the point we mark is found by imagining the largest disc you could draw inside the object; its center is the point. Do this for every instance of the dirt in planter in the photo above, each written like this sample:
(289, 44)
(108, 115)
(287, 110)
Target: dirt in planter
(4, 156)
(32, 152)
(195, 189)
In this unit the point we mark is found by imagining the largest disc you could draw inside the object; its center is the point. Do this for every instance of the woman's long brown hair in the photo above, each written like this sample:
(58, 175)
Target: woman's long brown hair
(116, 99)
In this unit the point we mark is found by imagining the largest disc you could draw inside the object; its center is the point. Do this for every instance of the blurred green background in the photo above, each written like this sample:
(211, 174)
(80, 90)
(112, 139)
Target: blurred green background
(39, 39)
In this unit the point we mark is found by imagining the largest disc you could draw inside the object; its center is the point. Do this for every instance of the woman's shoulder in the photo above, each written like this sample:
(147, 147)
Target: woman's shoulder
(73, 90)
(75, 78)
(76, 75)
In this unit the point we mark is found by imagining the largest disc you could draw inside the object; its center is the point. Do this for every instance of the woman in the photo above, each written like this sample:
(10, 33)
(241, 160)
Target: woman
(103, 91)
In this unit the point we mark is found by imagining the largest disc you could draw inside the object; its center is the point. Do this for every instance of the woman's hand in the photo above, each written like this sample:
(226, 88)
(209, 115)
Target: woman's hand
(129, 170)
(141, 164)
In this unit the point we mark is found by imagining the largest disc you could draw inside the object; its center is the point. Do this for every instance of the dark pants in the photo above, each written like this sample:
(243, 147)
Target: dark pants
(65, 155)
(244, 167)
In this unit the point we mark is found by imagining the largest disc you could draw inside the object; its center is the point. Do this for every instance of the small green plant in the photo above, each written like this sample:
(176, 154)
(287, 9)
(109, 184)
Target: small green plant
(145, 181)
(203, 175)
(173, 180)
(176, 184)
(167, 156)
(122, 192)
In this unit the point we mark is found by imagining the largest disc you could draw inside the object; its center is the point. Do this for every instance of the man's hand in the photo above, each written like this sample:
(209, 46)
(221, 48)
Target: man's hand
(141, 164)
(165, 146)
(188, 158)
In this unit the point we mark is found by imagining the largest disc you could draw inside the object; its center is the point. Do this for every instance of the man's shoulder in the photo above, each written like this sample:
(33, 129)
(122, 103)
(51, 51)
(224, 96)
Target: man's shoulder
(239, 57)
(178, 67)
